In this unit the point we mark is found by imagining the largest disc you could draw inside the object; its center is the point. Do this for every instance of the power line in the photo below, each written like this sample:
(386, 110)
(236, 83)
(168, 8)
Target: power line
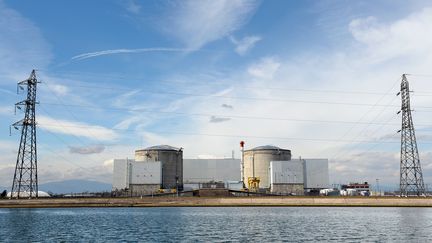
(220, 116)
(367, 112)
(247, 136)
(365, 151)
(153, 92)
(262, 99)
(74, 136)
(61, 156)
(68, 110)
(117, 77)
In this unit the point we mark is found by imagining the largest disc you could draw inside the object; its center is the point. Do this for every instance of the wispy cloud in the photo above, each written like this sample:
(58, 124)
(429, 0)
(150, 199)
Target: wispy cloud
(215, 119)
(76, 128)
(4, 110)
(410, 35)
(5, 91)
(197, 23)
(59, 89)
(132, 6)
(227, 106)
(245, 44)
(120, 51)
(19, 55)
(91, 149)
(265, 68)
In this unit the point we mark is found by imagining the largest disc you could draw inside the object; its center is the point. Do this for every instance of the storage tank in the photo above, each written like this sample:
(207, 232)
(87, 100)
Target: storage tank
(171, 159)
(257, 162)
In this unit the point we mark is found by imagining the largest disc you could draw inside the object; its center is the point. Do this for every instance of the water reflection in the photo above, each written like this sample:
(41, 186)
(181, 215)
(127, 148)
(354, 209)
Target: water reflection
(216, 224)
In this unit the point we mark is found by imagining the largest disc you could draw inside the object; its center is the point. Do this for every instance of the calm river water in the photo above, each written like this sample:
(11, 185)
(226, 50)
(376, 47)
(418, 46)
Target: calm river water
(261, 224)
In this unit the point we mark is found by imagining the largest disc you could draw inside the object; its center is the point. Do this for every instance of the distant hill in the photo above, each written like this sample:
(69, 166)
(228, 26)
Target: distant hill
(74, 186)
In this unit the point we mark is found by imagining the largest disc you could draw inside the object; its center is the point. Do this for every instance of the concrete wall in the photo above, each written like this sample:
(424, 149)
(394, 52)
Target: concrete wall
(120, 174)
(138, 190)
(257, 164)
(286, 189)
(205, 170)
(128, 172)
(316, 173)
(145, 173)
(286, 172)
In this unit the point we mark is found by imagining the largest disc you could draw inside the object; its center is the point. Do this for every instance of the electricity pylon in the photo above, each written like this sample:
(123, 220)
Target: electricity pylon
(411, 176)
(25, 182)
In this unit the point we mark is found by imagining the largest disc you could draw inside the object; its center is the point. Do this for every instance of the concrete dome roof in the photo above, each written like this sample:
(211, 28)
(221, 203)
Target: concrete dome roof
(162, 147)
(267, 147)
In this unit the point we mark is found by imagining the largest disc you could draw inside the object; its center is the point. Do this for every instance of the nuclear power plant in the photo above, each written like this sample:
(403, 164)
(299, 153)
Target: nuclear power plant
(264, 169)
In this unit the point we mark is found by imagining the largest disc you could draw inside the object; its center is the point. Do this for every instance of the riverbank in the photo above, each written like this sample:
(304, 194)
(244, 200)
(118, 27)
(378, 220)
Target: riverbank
(218, 202)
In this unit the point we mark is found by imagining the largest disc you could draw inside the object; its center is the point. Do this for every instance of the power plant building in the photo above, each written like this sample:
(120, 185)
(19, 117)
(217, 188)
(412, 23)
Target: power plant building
(257, 162)
(296, 176)
(171, 159)
(137, 177)
(206, 170)
(286, 177)
(316, 174)
(212, 173)
(267, 169)
(154, 168)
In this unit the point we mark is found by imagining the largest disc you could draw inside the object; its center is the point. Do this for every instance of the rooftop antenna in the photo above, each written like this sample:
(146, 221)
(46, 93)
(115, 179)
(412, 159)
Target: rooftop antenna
(411, 176)
(25, 182)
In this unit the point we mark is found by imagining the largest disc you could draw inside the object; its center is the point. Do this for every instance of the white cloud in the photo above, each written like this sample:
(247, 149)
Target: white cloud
(8, 151)
(245, 44)
(343, 69)
(126, 123)
(5, 91)
(6, 145)
(197, 23)
(90, 149)
(265, 68)
(4, 110)
(132, 6)
(227, 106)
(109, 163)
(18, 55)
(346, 68)
(119, 51)
(406, 37)
(58, 89)
(74, 128)
(215, 119)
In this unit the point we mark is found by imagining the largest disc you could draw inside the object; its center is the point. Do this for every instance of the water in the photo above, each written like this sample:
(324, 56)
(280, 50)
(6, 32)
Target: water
(261, 224)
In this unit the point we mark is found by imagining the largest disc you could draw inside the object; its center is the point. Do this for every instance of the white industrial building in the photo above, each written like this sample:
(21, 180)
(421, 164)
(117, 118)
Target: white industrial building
(286, 177)
(137, 177)
(211, 173)
(296, 176)
(206, 170)
(316, 174)
(144, 177)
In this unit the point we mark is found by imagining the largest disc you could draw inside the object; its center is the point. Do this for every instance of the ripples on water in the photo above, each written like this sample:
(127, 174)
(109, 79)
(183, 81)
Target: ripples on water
(259, 224)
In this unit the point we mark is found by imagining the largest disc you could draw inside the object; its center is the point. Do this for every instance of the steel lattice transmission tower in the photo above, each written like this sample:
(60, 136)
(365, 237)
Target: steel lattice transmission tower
(25, 182)
(411, 177)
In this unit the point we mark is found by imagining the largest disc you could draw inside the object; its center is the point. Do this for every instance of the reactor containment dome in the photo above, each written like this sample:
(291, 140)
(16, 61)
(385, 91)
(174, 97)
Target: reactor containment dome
(172, 163)
(257, 162)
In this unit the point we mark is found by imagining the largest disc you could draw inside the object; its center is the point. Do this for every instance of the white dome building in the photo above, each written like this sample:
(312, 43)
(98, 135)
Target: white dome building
(27, 194)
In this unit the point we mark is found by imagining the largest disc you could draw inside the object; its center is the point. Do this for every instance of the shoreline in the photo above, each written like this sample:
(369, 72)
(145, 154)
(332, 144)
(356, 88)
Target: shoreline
(218, 202)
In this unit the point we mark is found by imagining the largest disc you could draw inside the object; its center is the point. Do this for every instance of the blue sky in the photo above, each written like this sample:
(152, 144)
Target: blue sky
(316, 77)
